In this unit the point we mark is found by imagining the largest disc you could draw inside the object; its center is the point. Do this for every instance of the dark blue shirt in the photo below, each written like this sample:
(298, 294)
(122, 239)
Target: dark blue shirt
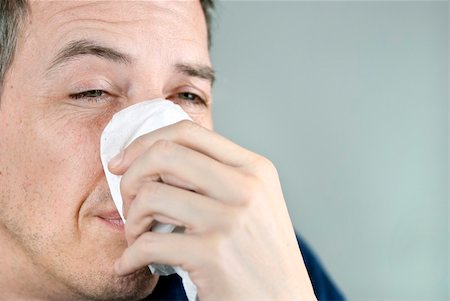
(170, 288)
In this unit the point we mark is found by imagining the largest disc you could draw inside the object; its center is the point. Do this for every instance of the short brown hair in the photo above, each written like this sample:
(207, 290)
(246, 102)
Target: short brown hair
(12, 16)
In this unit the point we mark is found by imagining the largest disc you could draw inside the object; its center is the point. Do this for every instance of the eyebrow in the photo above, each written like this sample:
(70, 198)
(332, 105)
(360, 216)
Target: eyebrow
(200, 71)
(86, 47)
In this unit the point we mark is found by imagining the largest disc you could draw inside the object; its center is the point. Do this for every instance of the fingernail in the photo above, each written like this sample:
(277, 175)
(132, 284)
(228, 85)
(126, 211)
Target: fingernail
(116, 160)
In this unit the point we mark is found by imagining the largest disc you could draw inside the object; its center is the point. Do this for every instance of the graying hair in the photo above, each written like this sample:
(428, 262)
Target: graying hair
(13, 14)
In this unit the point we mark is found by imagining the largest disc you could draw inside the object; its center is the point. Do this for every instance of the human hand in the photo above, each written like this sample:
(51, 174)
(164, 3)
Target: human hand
(239, 242)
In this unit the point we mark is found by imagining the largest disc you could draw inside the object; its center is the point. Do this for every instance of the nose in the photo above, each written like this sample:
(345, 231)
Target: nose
(140, 94)
(146, 83)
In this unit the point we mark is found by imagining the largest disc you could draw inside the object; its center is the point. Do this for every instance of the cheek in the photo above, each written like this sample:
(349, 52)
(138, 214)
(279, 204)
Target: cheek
(70, 156)
(49, 164)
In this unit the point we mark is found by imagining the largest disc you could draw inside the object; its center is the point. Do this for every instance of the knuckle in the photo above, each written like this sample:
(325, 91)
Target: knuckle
(232, 221)
(186, 129)
(130, 232)
(264, 169)
(146, 241)
(135, 228)
(149, 199)
(186, 126)
(140, 142)
(154, 193)
(125, 190)
(264, 165)
(270, 166)
(162, 149)
(149, 190)
(216, 242)
(250, 190)
(123, 183)
(161, 145)
(147, 238)
(224, 222)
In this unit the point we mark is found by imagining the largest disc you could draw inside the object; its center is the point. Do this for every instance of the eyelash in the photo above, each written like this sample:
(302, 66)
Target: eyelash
(197, 100)
(84, 95)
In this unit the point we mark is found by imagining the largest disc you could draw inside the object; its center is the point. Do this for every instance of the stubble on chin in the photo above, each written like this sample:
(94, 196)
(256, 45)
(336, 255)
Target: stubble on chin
(135, 286)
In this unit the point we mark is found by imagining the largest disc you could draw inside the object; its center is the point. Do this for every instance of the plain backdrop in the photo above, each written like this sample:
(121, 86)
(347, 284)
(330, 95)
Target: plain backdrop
(350, 101)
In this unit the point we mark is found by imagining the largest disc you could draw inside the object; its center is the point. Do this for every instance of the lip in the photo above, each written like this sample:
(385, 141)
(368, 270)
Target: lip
(112, 219)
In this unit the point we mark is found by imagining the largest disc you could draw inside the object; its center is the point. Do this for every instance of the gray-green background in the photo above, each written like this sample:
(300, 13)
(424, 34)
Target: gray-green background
(350, 101)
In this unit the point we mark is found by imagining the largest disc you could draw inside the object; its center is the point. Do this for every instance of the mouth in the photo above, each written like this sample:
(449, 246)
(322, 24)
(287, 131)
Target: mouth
(112, 220)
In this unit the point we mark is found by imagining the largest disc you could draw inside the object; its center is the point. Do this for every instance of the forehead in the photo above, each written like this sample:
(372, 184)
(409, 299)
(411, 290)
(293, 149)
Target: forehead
(151, 23)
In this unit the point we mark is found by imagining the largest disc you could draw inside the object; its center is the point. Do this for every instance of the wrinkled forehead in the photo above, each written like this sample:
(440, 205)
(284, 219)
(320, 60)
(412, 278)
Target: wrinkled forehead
(151, 23)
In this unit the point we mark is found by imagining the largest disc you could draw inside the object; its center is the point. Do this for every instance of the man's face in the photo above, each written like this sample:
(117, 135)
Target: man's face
(57, 219)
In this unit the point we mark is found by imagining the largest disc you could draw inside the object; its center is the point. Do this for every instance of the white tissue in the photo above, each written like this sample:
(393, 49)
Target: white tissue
(124, 127)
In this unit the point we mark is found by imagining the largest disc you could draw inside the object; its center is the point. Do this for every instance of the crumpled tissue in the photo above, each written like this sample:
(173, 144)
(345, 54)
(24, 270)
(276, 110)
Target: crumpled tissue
(124, 127)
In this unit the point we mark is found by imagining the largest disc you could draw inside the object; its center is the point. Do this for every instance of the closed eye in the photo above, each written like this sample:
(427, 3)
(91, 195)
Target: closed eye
(88, 94)
(94, 96)
(97, 95)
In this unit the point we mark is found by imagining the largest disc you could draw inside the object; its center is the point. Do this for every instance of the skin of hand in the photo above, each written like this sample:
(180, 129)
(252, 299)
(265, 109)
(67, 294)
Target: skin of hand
(239, 242)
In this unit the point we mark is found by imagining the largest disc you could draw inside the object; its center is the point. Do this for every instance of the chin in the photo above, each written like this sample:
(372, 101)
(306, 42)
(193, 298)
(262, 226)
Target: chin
(135, 286)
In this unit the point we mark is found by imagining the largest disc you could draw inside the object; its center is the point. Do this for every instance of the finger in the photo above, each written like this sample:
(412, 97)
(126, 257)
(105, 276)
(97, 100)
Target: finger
(190, 135)
(168, 204)
(173, 249)
(180, 166)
